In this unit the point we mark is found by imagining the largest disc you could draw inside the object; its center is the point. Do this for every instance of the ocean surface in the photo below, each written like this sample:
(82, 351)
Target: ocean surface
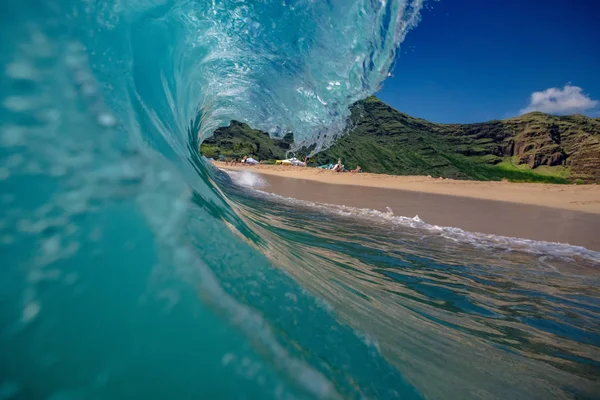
(131, 268)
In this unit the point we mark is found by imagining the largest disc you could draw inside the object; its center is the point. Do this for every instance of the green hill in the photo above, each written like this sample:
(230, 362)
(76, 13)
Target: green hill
(535, 147)
(238, 140)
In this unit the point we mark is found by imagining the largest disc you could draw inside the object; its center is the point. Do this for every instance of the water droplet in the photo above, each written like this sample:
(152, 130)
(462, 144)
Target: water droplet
(17, 103)
(21, 70)
(31, 311)
(107, 120)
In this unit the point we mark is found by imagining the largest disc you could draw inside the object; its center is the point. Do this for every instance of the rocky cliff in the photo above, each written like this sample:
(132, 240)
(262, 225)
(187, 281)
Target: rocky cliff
(534, 146)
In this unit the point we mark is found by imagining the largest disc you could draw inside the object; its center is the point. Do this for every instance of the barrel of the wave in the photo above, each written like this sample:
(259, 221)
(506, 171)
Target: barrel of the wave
(112, 237)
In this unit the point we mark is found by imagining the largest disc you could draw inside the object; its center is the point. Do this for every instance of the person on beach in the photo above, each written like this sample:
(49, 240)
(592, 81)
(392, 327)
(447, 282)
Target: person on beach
(357, 169)
(339, 167)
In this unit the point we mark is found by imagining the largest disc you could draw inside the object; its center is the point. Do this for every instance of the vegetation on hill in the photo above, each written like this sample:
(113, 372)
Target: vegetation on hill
(238, 140)
(535, 147)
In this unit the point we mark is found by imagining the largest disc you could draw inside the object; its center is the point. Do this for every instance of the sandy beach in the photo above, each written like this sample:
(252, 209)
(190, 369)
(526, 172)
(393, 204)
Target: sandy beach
(585, 198)
(554, 213)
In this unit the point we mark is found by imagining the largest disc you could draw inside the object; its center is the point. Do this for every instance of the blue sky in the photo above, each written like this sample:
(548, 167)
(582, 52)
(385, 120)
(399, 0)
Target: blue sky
(476, 60)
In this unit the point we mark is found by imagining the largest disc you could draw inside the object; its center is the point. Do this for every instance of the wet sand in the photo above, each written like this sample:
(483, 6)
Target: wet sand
(474, 215)
(471, 214)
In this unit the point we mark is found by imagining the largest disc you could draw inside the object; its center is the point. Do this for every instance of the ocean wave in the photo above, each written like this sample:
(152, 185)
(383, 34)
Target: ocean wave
(129, 269)
(482, 240)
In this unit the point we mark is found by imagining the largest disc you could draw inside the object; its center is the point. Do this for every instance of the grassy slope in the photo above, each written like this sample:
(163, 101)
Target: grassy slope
(387, 141)
(238, 140)
(534, 147)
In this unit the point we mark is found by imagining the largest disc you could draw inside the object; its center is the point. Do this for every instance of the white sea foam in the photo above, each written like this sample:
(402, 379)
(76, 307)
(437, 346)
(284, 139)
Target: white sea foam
(247, 179)
(477, 239)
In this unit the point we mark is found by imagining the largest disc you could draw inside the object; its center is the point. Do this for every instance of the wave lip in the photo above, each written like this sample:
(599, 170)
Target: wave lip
(293, 66)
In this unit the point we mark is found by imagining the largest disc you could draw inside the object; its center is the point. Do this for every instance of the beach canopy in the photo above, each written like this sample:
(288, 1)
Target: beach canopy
(291, 161)
(294, 161)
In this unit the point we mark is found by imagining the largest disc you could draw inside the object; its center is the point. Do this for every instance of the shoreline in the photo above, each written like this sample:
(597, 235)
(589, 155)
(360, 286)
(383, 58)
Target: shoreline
(471, 211)
(581, 198)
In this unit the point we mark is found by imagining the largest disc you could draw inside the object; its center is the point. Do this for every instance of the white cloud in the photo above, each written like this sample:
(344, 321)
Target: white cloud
(568, 100)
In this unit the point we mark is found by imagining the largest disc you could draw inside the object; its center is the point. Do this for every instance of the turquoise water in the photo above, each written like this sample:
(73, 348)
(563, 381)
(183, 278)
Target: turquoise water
(130, 268)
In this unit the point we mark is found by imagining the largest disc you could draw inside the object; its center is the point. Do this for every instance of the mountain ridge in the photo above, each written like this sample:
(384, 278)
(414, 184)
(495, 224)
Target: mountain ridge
(531, 147)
